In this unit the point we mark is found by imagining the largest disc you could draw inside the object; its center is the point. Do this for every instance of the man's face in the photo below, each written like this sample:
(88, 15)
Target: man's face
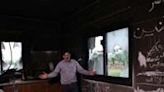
(67, 56)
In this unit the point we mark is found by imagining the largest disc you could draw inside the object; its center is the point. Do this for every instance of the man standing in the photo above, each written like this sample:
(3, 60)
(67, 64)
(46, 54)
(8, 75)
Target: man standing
(67, 69)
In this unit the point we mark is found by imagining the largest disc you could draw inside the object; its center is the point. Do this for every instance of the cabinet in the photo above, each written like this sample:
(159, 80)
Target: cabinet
(33, 86)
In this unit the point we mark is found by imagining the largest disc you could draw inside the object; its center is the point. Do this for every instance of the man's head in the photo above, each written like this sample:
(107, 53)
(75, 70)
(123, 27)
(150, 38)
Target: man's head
(67, 56)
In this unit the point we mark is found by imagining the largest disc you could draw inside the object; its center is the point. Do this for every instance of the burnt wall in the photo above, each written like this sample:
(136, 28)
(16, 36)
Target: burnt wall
(145, 17)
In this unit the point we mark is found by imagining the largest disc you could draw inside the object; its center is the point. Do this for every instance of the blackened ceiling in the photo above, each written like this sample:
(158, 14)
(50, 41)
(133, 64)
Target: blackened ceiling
(53, 10)
(31, 16)
(38, 21)
(54, 16)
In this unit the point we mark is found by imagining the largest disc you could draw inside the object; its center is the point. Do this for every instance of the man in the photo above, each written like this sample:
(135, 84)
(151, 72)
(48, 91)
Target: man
(67, 69)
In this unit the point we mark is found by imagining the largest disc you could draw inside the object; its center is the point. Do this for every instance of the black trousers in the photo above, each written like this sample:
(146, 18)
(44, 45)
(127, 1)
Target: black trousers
(73, 87)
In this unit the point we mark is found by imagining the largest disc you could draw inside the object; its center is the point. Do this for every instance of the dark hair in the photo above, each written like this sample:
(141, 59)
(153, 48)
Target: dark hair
(67, 52)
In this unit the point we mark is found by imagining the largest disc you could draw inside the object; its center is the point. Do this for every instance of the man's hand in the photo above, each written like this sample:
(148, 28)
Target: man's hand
(43, 76)
(92, 73)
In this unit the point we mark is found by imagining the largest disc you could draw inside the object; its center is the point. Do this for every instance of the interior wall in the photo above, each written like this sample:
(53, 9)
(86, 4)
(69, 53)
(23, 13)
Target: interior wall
(148, 54)
(146, 20)
(35, 35)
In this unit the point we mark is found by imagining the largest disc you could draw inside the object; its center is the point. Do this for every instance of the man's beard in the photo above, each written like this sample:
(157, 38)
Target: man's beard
(67, 59)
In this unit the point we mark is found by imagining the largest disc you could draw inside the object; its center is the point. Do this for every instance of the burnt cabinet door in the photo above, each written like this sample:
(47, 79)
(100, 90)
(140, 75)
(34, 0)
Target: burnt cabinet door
(34, 87)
